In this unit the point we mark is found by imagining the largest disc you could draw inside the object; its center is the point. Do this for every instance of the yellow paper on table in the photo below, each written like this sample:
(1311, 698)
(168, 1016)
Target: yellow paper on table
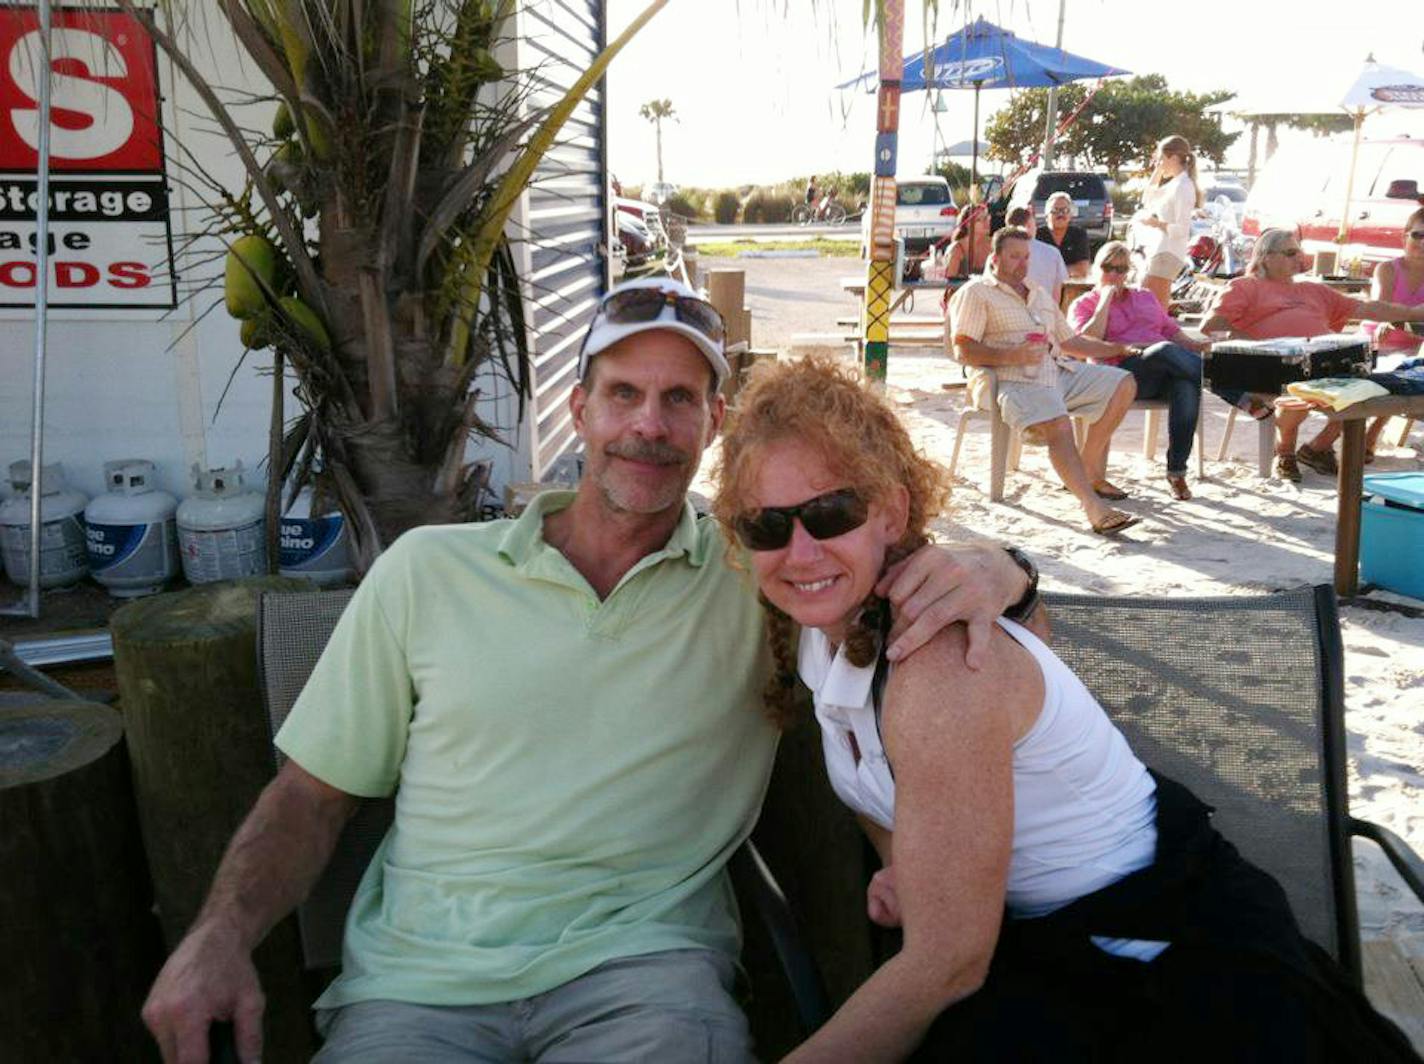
(1336, 392)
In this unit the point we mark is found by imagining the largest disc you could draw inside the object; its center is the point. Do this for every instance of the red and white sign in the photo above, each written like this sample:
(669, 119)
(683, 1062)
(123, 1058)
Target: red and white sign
(103, 96)
(110, 242)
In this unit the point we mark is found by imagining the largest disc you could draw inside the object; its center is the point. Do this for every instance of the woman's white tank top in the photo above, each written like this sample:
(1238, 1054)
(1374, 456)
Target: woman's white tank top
(1084, 805)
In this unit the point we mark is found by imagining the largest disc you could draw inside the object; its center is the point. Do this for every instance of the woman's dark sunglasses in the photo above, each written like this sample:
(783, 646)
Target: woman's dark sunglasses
(1416, 234)
(824, 517)
(645, 304)
(1117, 267)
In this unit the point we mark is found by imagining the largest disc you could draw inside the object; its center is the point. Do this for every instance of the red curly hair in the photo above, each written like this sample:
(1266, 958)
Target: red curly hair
(822, 403)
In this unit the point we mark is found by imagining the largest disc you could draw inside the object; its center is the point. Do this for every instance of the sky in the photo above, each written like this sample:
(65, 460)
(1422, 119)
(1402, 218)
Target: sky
(752, 80)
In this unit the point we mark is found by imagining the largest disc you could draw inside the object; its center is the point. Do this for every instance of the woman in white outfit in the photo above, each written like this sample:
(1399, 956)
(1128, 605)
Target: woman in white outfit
(1058, 901)
(1163, 225)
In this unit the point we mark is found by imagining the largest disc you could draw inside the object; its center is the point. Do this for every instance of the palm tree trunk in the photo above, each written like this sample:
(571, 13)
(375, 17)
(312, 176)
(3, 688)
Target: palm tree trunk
(658, 125)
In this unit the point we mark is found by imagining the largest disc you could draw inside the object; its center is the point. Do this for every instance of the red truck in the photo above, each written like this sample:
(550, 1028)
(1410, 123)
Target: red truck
(1303, 188)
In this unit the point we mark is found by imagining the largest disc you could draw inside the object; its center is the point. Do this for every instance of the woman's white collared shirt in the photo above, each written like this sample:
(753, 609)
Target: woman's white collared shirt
(1084, 805)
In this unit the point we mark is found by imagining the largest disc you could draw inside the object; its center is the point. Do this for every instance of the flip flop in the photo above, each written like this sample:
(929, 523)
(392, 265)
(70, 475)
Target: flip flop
(1177, 484)
(1116, 521)
(1107, 490)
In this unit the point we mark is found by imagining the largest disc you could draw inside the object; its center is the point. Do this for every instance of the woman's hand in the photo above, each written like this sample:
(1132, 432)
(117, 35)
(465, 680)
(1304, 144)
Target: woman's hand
(882, 904)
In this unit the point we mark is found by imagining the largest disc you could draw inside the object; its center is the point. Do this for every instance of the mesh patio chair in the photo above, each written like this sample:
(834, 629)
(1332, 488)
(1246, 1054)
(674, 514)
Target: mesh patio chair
(292, 629)
(1242, 700)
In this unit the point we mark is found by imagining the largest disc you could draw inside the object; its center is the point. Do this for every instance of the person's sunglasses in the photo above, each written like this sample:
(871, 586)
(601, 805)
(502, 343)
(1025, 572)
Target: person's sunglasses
(645, 304)
(824, 517)
(1416, 234)
(1116, 267)
(1062, 212)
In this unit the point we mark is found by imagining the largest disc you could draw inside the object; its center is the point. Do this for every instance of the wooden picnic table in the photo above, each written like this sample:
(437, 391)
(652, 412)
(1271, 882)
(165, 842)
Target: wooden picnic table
(1352, 479)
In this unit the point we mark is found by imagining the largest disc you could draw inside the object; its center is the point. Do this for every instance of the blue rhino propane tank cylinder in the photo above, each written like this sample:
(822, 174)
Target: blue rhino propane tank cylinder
(314, 547)
(132, 531)
(221, 531)
(63, 560)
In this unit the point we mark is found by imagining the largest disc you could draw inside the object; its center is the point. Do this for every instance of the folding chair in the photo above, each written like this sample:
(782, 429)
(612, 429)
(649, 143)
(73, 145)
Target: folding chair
(1241, 699)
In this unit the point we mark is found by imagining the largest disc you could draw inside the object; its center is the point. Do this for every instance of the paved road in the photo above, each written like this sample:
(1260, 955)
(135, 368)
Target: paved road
(848, 231)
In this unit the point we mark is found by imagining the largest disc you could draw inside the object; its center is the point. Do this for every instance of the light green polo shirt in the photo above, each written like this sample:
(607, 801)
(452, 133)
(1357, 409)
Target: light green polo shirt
(573, 773)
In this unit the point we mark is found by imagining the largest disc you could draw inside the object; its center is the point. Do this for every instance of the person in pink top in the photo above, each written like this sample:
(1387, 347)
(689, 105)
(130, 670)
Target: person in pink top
(1165, 361)
(1400, 281)
(1269, 303)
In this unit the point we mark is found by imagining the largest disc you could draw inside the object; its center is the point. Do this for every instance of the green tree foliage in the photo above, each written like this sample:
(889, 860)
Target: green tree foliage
(726, 207)
(1119, 128)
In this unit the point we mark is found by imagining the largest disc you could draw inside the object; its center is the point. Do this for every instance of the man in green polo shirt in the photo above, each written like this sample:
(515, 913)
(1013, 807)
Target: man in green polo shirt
(567, 707)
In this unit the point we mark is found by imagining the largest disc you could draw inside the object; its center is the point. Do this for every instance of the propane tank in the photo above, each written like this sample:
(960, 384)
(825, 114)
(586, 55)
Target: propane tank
(221, 528)
(315, 548)
(132, 531)
(62, 556)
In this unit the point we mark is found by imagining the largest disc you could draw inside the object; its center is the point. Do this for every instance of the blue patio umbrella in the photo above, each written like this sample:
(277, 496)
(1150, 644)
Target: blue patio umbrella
(986, 56)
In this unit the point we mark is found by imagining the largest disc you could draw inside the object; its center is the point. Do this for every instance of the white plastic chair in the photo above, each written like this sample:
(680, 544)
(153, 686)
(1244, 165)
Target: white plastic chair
(1265, 445)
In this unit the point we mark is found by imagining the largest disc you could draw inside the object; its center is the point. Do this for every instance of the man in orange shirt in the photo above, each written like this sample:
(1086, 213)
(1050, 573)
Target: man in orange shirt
(1269, 303)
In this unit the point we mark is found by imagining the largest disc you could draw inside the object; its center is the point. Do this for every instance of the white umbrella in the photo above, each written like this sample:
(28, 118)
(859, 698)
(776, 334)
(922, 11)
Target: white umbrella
(1376, 88)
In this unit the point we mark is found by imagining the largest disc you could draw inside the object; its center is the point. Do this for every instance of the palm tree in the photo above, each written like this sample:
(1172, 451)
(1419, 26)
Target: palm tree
(368, 245)
(655, 111)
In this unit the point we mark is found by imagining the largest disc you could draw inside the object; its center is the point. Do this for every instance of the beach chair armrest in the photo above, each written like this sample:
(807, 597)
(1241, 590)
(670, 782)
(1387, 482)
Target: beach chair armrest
(808, 991)
(1406, 862)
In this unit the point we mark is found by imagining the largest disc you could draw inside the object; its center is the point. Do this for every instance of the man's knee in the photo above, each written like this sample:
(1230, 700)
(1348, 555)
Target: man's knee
(1126, 391)
(1054, 430)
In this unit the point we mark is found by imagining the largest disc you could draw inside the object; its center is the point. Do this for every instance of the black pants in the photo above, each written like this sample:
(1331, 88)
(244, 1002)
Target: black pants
(1239, 982)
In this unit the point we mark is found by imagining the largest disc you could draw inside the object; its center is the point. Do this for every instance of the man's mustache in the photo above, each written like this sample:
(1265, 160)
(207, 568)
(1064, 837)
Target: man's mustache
(648, 451)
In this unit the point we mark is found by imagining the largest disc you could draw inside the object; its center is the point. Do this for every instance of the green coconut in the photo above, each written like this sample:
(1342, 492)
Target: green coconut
(255, 334)
(305, 321)
(252, 262)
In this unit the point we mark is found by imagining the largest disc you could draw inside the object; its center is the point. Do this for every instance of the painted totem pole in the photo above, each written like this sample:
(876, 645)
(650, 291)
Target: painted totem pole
(880, 280)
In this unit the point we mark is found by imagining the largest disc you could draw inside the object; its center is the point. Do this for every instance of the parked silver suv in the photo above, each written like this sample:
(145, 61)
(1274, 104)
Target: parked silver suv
(1089, 192)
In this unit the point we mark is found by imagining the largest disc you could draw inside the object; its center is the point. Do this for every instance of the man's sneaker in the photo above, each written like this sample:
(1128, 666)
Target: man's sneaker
(1320, 461)
(1286, 468)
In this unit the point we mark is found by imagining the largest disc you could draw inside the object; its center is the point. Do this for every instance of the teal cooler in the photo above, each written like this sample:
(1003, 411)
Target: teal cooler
(1392, 533)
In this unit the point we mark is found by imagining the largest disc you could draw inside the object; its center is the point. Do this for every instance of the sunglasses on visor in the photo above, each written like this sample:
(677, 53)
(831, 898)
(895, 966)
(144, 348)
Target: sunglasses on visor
(634, 305)
(824, 517)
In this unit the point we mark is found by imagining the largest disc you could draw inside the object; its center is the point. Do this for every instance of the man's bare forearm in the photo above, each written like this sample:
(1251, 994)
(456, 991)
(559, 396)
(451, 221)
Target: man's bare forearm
(977, 353)
(277, 854)
(1087, 347)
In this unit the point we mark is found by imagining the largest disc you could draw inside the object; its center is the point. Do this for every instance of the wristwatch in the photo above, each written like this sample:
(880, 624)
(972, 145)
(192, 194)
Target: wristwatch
(1023, 609)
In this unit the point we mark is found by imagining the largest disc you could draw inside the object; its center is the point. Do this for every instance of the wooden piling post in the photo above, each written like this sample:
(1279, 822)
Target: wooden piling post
(201, 752)
(77, 933)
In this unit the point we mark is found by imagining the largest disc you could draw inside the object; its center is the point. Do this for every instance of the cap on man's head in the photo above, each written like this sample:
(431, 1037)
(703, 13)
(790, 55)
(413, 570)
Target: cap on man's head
(604, 331)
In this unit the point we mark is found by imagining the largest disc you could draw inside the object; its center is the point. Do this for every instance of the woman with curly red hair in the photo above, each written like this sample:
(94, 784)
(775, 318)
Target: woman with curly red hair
(1058, 900)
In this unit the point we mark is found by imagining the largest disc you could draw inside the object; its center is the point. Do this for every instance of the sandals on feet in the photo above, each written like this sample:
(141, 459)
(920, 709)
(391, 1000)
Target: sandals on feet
(1116, 521)
(1177, 484)
(1287, 469)
(1108, 490)
(1320, 461)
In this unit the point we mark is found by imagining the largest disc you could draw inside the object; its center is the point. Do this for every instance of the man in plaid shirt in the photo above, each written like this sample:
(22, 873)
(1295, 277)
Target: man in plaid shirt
(1010, 333)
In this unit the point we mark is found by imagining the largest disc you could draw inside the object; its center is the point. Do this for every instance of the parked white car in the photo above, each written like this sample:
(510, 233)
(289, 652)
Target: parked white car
(924, 214)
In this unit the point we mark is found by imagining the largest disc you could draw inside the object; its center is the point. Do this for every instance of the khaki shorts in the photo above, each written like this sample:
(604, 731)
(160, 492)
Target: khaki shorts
(1085, 392)
(1165, 264)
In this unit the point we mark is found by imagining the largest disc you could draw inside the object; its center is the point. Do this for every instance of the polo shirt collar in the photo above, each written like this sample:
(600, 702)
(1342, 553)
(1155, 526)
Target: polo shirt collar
(524, 540)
